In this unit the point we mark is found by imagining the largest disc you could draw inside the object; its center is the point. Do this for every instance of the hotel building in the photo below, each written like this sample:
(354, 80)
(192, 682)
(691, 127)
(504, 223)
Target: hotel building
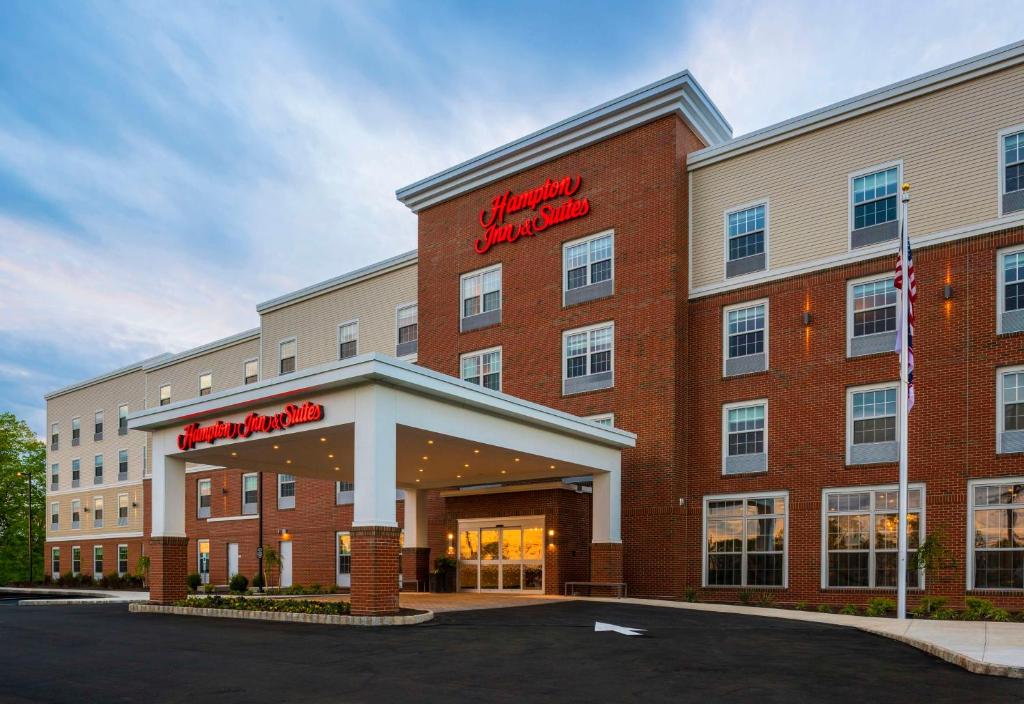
(629, 348)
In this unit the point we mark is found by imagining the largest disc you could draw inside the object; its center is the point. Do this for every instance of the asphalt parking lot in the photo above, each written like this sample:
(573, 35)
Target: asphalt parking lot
(543, 653)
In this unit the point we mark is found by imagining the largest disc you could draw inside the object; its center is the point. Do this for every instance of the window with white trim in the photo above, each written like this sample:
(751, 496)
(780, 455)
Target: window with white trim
(250, 494)
(97, 562)
(746, 338)
(54, 437)
(745, 540)
(286, 491)
(76, 513)
(76, 431)
(996, 547)
(98, 426)
(165, 395)
(122, 465)
(204, 490)
(76, 472)
(588, 358)
(588, 268)
(122, 510)
(1010, 422)
(348, 339)
(480, 298)
(1010, 294)
(872, 424)
(97, 463)
(344, 492)
(251, 371)
(482, 368)
(875, 198)
(122, 560)
(122, 419)
(54, 476)
(745, 235)
(54, 562)
(55, 515)
(407, 323)
(871, 315)
(860, 536)
(606, 419)
(97, 512)
(745, 444)
(287, 351)
(206, 383)
(76, 560)
(1011, 157)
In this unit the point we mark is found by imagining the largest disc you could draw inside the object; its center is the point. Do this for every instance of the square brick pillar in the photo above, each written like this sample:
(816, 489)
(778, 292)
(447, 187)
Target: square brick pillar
(605, 566)
(416, 565)
(375, 554)
(168, 567)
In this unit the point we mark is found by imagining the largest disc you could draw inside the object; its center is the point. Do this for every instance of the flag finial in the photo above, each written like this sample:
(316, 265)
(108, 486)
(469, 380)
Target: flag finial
(906, 187)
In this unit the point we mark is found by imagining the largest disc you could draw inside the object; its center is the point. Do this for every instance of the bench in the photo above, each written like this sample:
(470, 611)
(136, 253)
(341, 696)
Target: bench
(620, 586)
(417, 583)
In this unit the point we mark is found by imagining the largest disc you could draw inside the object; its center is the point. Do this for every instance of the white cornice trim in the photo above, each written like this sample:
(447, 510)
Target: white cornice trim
(929, 82)
(137, 366)
(679, 94)
(85, 537)
(223, 343)
(224, 519)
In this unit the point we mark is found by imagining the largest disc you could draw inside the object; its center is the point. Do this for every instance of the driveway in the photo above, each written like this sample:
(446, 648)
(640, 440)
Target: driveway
(542, 653)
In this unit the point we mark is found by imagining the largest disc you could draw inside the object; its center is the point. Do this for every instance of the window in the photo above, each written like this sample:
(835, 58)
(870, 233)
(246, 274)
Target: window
(860, 540)
(165, 395)
(344, 492)
(997, 521)
(746, 338)
(745, 540)
(122, 465)
(122, 560)
(745, 240)
(287, 356)
(76, 560)
(54, 437)
(744, 441)
(871, 316)
(251, 371)
(55, 516)
(1011, 290)
(587, 358)
(54, 476)
(54, 562)
(205, 384)
(98, 426)
(874, 205)
(203, 491)
(76, 513)
(250, 494)
(871, 427)
(483, 368)
(122, 419)
(407, 320)
(1011, 171)
(606, 419)
(481, 299)
(97, 561)
(1010, 410)
(98, 469)
(348, 339)
(97, 512)
(122, 509)
(588, 268)
(285, 491)
(76, 472)
(145, 466)
(76, 431)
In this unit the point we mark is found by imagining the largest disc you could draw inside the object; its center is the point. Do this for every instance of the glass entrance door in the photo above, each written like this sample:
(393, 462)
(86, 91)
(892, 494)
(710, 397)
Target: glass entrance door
(502, 557)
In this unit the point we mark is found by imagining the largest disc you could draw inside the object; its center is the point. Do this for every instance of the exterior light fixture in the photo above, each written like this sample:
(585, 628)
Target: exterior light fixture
(234, 454)
(808, 318)
(947, 291)
(425, 458)
(551, 532)
(323, 439)
(516, 459)
(504, 472)
(430, 442)
(330, 456)
(337, 468)
(551, 466)
(417, 481)
(451, 544)
(287, 461)
(458, 476)
(476, 452)
(420, 469)
(277, 447)
(466, 466)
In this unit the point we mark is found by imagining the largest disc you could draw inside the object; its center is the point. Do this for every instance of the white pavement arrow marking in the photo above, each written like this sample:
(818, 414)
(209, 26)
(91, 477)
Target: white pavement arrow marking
(599, 627)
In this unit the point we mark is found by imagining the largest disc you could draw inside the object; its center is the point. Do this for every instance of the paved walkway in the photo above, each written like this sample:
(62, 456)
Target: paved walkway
(48, 596)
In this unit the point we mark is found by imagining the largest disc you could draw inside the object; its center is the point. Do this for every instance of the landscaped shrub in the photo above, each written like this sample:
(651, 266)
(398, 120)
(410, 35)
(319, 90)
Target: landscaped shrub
(193, 581)
(849, 610)
(258, 581)
(934, 607)
(691, 595)
(239, 583)
(765, 599)
(334, 608)
(801, 606)
(983, 610)
(824, 609)
(880, 606)
(744, 596)
(208, 589)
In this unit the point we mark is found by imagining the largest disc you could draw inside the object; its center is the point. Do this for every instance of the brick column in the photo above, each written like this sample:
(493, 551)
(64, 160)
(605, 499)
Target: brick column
(605, 565)
(416, 565)
(168, 567)
(374, 570)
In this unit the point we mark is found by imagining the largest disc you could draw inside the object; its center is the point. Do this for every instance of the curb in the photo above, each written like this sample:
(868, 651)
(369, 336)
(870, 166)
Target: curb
(92, 600)
(282, 616)
(968, 663)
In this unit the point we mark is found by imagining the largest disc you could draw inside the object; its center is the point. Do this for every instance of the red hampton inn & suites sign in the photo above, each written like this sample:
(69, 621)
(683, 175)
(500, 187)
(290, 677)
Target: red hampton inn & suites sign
(541, 214)
(253, 423)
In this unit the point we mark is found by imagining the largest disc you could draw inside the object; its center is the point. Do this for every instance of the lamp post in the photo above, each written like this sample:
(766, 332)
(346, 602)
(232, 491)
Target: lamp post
(28, 477)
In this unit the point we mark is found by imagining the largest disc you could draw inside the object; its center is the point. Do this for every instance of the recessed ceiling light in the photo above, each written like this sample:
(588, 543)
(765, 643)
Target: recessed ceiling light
(276, 447)
(425, 458)
(551, 467)
(288, 461)
(466, 466)
(337, 468)
(330, 456)
(476, 452)
(458, 476)
(421, 469)
(323, 439)
(430, 442)
(234, 454)
(504, 472)
(417, 481)
(517, 459)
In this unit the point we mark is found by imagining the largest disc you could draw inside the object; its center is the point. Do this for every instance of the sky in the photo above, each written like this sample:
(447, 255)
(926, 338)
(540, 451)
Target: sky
(164, 167)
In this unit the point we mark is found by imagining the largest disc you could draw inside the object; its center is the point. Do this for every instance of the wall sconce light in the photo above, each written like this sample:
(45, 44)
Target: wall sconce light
(86, 509)
(134, 505)
(451, 544)
(947, 291)
(224, 491)
(285, 535)
(551, 539)
(808, 318)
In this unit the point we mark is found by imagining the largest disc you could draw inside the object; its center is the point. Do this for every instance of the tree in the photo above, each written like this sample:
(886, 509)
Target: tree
(271, 563)
(22, 465)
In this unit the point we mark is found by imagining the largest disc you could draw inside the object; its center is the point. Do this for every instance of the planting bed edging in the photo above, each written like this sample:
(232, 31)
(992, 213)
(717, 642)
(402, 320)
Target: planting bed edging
(287, 616)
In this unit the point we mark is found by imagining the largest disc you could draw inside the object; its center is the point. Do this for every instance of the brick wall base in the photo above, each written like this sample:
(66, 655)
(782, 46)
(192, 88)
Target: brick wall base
(605, 565)
(168, 569)
(374, 570)
(416, 565)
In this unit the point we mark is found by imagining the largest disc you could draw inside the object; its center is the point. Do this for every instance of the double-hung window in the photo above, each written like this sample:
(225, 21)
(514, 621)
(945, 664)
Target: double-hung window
(97, 476)
(997, 524)
(588, 268)
(588, 359)
(97, 512)
(344, 492)
(76, 560)
(76, 431)
(407, 321)
(98, 426)
(1010, 296)
(746, 232)
(76, 472)
(745, 540)
(54, 562)
(97, 562)
(874, 205)
(54, 437)
(1010, 409)
(165, 395)
(744, 437)
(745, 344)
(286, 491)
(122, 419)
(122, 560)
(861, 533)
(348, 339)
(55, 516)
(481, 299)
(871, 316)
(76, 513)
(1011, 172)
(287, 355)
(251, 371)
(204, 489)
(482, 368)
(250, 494)
(122, 510)
(122, 465)
(871, 424)
(206, 384)
(54, 476)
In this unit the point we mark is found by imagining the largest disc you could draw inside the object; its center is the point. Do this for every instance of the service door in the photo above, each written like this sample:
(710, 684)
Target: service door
(232, 560)
(344, 561)
(286, 563)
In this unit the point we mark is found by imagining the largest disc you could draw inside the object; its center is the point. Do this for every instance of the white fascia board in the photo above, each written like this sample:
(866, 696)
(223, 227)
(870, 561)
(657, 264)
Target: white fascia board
(137, 366)
(238, 338)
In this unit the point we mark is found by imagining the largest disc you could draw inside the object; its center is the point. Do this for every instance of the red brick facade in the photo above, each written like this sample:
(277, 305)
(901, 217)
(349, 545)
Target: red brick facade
(169, 570)
(375, 554)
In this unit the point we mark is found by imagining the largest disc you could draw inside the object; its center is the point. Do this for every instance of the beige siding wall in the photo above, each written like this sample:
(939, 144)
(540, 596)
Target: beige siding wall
(314, 322)
(226, 364)
(88, 498)
(947, 141)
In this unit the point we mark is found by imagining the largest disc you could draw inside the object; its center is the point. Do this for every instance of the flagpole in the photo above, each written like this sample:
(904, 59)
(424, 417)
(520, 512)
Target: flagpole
(901, 540)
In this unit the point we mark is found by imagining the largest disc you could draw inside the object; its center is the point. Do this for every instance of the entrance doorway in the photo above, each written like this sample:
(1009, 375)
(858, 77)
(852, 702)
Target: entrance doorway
(204, 561)
(232, 560)
(502, 555)
(344, 561)
(286, 563)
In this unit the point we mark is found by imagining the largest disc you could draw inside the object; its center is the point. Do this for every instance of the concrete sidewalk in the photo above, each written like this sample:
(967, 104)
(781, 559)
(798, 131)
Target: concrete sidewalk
(85, 596)
(981, 647)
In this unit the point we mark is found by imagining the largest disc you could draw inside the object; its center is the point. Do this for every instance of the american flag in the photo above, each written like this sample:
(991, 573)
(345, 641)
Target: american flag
(907, 321)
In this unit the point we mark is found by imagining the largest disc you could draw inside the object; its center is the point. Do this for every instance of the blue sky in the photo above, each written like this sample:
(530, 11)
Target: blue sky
(164, 170)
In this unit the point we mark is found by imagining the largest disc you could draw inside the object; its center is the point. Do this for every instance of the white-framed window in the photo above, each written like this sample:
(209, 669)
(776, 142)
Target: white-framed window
(344, 493)
(122, 419)
(1010, 293)
(745, 338)
(122, 509)
(606, 419)
(588, 358)
(165, 395)
(76, 513)
(54, 436)
(76, 472)
(348, 339)
(122, 465)
(55, 562)
(250, 494)
(746, 239)
(204, 491)
(995, 543)
(122, 560)
(55, 515)
(872, 424)
(251, 371)
(871, 304)
(203, 556)
(745, 437)
(1010, 410)
(76, 431)
(481, 291)
(97, 512)
(407, 329)
(98, 426)
(54, 476)
(97, 463)
(482, 368)
(287, 350)
(206, 383)
(587, 262)
(1011, 170)
(859, 534)
(285, 491)
(97, 561)
(76, 560)
(746, 540)
(874, 202)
